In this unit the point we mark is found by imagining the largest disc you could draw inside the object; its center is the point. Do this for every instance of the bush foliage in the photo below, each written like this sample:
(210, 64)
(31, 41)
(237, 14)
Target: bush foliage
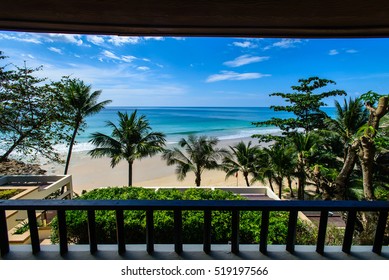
(135, 221)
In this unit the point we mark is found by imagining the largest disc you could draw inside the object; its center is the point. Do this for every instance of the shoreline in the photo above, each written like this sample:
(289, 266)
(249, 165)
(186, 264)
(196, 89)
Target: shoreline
(88, 173)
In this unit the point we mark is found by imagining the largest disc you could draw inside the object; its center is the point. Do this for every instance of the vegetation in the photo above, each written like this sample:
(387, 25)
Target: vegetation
(305, 105)
(242, 159)
(79, 102)
(28, 125)
(132, 139)
(8, 193)
(135, 223)
(201, 154)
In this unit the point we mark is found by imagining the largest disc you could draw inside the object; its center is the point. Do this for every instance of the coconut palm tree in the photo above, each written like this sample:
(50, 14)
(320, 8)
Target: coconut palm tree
(200, 154)
(349, 119)
(304, 146)
(282, 161)
(80, 103)
(242, 159)
(130, 140)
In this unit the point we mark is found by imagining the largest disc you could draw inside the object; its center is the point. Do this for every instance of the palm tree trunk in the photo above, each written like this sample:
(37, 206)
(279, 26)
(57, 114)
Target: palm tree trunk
(271, 183)
(130, 173)
(198, 179)
(290, 186)
(301, 185)
(70, 149)
(342, 179)
(245, 174)
(279, 183)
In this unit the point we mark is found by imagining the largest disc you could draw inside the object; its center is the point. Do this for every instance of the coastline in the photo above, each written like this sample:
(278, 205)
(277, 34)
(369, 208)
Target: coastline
(88, 173)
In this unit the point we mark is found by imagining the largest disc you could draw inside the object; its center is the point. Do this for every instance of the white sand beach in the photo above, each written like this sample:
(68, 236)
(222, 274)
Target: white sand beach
(88, 173)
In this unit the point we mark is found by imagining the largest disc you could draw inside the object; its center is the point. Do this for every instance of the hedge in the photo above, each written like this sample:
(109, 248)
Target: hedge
(135, 221)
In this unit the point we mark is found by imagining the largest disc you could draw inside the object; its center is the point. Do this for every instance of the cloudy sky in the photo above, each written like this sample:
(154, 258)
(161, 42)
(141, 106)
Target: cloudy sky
(166, 71)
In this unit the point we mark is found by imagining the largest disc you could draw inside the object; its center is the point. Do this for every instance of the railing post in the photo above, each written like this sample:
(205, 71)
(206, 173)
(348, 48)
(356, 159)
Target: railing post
(207, 231)
(235, 232)
(4, 242)
(321, 237)
(120, 231)
(150, 231)
(348, 234)
(291, 238)
(92, 231)
(34, 235)
(178, 231)
(264, 232)
(63, 236)
(380, 231)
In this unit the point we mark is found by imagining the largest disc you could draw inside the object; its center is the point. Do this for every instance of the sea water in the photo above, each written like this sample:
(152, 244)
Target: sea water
(225, 123)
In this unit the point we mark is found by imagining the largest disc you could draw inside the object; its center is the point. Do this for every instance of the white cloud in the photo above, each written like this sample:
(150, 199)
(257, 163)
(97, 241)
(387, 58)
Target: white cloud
(143, 68)
(245, 44)
(66, 38)
(120, 41)
(230, 75)
(94, 39)
(21, 37)
(284, 44)
(333, 52)
(179, 38)
(244, 60)
(351, 51)
(156, 38)
(56, 50)
(109, 54)
(128, 58)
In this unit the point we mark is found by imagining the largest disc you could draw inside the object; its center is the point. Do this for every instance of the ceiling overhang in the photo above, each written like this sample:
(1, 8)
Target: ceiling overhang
(252, 18)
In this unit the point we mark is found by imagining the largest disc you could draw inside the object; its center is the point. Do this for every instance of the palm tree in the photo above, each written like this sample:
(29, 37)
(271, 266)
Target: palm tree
(131, 139)
(304, 146)
(201, 154)
(242, 159)
(81, 103)
(349, 119)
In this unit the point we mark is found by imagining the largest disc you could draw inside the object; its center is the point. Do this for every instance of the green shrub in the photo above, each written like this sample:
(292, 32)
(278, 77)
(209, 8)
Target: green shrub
(8, 193)
(192, 221)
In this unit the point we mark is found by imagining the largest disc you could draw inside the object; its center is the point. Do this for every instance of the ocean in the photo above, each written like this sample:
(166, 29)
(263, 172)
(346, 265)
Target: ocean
(225, 123)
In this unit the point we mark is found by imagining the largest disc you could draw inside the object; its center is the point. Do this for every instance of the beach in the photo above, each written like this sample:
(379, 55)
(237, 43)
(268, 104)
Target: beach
(88, 173)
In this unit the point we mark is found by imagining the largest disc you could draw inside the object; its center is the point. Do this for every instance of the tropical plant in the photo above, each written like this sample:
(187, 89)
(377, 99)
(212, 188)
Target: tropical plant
(349, 119)
(130, 140)
(304, 146)
(304, 104)
(281, 162)
(80, 103)
(32, 121)
(201, 154)
(242, 159)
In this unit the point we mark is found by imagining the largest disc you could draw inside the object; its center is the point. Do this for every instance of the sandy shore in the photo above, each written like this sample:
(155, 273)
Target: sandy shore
(88, 173)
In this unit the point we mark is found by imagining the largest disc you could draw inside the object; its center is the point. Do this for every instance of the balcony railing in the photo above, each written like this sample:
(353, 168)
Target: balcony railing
(207, 206)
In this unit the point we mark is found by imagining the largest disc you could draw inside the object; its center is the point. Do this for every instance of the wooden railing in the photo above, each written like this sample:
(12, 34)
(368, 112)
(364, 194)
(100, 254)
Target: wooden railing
(207, 206)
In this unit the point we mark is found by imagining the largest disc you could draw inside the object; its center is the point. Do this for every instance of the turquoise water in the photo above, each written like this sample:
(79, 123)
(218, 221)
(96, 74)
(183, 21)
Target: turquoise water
(177, 122)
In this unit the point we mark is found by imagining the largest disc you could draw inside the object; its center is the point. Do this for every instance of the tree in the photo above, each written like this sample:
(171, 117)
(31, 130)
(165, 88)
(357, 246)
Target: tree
(304, 146)
(130, 140)
(367, 146)
(201, 154)
(305, 106)
(349, 119)
(80, 103)
(281, 162)
(31, 121)
(242, 159)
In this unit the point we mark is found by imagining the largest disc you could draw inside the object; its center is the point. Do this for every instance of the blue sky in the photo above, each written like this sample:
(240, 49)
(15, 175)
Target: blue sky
(166, 71)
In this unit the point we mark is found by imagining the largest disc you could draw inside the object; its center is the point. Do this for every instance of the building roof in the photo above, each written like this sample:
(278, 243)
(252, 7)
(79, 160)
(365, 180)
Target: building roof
(257, 18)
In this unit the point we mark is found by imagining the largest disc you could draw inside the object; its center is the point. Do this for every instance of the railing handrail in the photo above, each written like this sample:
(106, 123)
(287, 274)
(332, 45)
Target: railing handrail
(270, 205)
(235, 206)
